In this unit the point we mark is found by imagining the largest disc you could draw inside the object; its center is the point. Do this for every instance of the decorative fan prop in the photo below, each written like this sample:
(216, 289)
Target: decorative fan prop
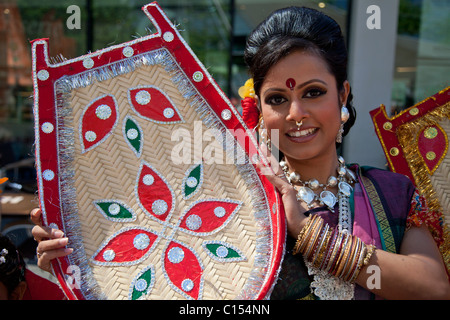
(415, 143)
(150, 171)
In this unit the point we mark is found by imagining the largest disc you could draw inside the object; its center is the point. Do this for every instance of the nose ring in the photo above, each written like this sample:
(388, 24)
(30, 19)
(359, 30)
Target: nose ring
(299, 124)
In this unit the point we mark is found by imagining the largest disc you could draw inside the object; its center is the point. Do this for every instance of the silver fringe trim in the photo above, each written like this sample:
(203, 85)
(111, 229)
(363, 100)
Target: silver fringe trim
(63, 88)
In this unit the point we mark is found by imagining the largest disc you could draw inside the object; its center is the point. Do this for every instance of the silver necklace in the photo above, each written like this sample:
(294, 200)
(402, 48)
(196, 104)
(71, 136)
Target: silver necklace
(306, 190)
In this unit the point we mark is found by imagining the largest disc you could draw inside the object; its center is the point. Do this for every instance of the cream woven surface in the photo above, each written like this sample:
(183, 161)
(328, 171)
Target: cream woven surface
(441, 178)
(110, 171)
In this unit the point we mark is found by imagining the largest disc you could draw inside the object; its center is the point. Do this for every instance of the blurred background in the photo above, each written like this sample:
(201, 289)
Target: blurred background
(399, 55)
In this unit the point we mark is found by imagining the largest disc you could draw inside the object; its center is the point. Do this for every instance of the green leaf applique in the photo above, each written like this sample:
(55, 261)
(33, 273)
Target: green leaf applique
(142, 284)
(133, 135)
(115, 210)
(223, 252)
(192, 181)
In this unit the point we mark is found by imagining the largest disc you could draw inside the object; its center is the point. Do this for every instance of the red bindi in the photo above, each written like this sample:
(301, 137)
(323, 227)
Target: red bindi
(290, 83)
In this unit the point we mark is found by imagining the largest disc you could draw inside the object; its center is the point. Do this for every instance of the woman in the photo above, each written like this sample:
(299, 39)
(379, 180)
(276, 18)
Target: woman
(297, 59)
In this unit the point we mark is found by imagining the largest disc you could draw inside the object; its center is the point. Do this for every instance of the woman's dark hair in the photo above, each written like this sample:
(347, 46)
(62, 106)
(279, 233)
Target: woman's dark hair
(298, 28)
(12, 265)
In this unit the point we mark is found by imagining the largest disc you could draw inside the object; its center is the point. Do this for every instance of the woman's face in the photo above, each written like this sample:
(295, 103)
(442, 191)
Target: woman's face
(300, 88)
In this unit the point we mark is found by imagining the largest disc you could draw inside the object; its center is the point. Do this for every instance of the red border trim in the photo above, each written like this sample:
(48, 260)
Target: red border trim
(388, 137)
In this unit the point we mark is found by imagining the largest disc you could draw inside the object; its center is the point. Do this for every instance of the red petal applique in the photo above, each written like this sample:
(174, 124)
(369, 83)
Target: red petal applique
(207, 216)
(153, 104)
(98, 121)
(184, 270)
(431, 144)
(128, 246)
(154, 194)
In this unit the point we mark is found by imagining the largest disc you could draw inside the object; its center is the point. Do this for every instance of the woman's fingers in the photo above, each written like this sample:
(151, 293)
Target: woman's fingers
(35, 216)
(51, 242)
(42, 233)
(48, 250)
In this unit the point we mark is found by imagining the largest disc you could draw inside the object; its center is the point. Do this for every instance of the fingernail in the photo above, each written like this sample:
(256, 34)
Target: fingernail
(63, 241)
(68, 250)
(58, 233)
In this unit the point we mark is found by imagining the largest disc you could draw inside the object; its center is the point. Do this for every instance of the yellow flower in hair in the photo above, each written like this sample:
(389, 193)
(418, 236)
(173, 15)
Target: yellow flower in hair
(247, 90)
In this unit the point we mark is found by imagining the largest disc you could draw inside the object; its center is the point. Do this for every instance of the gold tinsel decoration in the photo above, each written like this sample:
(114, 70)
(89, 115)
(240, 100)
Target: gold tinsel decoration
(408, 135)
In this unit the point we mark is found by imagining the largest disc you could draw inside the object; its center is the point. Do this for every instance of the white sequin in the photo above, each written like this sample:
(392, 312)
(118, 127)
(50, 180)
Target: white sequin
(168, 113)
(148, 179)
(114, 209)
(222, 252)
(187, 285)
(191, 182)
(197, 76)
(194, 222)
(53, 226)
(175, 255)
(128, 51)
(219, 212)
(47, 127)
(103, 112)
(88, 63)
(132, 134)
(226, 114)
(143, 97)
(109, 255)
(43, 75)
(141, 285)
(168, 36)
(90, 136)
(141, 241)
(159, 207)
(48, 175)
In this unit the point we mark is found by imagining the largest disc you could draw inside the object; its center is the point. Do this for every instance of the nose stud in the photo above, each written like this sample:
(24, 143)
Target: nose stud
(299, 124)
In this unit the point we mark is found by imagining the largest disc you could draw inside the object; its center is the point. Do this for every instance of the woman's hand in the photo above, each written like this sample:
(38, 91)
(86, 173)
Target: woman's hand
(295, 218)
(51, 242)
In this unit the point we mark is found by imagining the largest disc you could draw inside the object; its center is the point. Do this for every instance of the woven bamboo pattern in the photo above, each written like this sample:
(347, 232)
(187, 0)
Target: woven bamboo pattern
(441, 178)
(110, 170)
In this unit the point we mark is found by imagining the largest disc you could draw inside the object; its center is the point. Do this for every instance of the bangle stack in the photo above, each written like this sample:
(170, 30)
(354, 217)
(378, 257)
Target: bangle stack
(338, 253)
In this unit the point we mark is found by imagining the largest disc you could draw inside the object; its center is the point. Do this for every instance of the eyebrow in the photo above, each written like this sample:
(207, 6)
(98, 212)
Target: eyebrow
(301, 85)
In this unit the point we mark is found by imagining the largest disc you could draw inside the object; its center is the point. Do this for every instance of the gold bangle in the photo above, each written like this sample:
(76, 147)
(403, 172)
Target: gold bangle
(369, 253)
(315, 235)
(343, 262)
(356, 252)
(334, 254)
(322, 250)
(359, 264)
(340, 254)
(308, 234)
(300, 236)
(318, 253)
